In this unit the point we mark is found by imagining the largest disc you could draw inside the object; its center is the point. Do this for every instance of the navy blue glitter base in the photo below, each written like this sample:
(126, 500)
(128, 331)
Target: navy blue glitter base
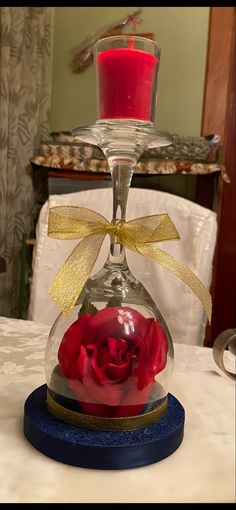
(101, 450)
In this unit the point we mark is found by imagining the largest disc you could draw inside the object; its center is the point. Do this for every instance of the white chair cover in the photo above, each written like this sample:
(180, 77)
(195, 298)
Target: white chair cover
(197, 227)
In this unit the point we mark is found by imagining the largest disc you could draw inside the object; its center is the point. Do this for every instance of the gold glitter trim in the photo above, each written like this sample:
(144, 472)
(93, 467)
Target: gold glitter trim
(102, 423)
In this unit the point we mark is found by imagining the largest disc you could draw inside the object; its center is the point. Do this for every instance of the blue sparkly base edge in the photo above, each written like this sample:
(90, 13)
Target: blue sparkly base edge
(94, 449)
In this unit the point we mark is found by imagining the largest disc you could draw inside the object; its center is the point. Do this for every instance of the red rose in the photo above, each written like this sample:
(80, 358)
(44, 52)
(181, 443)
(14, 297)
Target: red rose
(111, 359)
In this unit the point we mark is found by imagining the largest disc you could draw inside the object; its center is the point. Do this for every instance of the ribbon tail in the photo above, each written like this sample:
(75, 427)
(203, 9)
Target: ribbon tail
(71, 278)
(179, 269)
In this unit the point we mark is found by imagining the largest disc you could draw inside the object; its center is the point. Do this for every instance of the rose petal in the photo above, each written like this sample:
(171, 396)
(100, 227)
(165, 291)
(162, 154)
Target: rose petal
(71, 342)
(153, 355)
(92, 390)
(115, 345)
(118, 372)
(134, 400)
(104, 355)
(123, 322)
(98, 372)
(158, 347)
(78, 365)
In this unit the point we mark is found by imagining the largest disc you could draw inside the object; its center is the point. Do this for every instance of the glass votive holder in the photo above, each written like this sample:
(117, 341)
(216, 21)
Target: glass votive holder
(126, 78)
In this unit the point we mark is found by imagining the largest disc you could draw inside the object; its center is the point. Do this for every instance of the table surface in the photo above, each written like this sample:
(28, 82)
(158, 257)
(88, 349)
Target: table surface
(201, 470)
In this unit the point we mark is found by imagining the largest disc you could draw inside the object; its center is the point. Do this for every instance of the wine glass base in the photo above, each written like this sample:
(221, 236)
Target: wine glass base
(124, 136)
(94, 449)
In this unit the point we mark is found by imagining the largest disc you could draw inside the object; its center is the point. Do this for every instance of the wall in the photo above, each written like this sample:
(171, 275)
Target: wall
(182, 34)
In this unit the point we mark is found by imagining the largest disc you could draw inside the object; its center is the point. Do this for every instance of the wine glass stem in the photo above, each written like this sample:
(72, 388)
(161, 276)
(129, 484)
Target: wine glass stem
(121, 175)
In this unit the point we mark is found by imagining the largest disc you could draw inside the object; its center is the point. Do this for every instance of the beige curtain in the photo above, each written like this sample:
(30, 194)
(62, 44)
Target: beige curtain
(25, 83)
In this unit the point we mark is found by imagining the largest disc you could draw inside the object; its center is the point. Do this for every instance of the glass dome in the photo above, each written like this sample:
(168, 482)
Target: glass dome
(112, 357)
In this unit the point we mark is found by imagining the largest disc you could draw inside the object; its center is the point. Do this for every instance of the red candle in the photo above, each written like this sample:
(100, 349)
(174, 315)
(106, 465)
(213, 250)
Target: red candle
(125, 80)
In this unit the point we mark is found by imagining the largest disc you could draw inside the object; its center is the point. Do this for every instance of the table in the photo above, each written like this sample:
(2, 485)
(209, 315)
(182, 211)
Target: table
(201, 470)
(63, 159)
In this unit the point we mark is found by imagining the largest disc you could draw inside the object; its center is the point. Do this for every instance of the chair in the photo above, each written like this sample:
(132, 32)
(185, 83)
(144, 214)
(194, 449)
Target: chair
(197, 228)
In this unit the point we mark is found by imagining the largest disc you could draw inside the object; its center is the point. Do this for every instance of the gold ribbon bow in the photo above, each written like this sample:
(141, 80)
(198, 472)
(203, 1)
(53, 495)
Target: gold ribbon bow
(71, 222)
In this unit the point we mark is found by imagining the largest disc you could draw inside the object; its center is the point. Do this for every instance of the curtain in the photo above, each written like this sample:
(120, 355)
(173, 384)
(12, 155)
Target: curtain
(25, 89)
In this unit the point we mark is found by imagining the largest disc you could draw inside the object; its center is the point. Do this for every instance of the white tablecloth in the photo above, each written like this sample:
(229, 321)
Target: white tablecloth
(201, 470)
